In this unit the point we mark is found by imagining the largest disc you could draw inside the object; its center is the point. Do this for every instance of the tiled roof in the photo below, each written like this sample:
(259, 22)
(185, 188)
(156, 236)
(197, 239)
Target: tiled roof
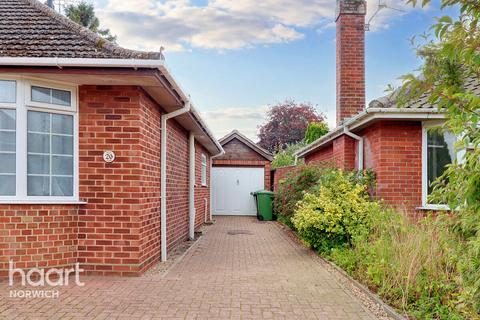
(472, 85)
(29, 28)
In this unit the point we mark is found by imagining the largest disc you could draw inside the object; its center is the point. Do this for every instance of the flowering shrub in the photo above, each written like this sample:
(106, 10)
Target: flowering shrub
(334, 214)
(292, 188)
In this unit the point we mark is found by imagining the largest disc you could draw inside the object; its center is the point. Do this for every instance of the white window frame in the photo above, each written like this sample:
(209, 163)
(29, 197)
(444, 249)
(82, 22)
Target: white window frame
(22, 106)
(203, 175)
(460, 154)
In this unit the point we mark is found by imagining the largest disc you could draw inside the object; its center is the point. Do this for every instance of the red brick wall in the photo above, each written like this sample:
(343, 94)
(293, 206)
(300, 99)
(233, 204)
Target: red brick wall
(150, 154)
(350, 64)
(281, 173)
(396, 158)
(393, 149)
(201, 192)
(111, 221)
(340, 154)
(118, 230)
(237, 150)
(37, 236)
(324, 155)
(177, 184)
(247, 163)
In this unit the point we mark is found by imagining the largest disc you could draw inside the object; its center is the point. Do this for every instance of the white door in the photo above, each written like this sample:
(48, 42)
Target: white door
(231, 188)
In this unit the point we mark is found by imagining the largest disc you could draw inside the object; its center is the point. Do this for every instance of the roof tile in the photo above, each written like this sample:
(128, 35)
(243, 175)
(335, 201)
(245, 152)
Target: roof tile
(29, 28)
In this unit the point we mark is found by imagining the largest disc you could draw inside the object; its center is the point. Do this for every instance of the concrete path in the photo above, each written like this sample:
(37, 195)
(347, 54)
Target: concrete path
(241, 269)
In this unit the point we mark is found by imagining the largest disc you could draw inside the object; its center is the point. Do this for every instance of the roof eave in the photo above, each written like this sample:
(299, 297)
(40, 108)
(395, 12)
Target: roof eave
(114, 63)
(236, 134)
(369, 115)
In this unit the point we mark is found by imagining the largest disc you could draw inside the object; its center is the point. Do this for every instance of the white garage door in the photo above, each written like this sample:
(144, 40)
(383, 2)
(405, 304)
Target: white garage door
(231, 189)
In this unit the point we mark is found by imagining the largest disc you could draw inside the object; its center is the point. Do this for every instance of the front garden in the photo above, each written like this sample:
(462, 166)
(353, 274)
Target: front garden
(426, 269)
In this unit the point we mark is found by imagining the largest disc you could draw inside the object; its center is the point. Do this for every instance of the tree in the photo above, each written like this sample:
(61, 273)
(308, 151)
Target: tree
(286, 157)
(84, 15)
(315, 130)
(451, 59)
(286, 124)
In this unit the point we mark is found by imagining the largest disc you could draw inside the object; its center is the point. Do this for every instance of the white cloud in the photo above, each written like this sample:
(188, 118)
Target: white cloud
(221, 24)
(245, 120)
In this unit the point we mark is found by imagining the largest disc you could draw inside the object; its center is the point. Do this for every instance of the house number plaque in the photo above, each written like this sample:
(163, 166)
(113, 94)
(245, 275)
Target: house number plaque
(108, 156)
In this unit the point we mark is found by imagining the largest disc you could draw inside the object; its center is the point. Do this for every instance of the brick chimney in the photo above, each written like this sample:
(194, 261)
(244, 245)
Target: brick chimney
(350, 19)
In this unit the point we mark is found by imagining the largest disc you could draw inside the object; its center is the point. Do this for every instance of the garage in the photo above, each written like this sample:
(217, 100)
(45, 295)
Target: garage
(243, 169)
(232, 186)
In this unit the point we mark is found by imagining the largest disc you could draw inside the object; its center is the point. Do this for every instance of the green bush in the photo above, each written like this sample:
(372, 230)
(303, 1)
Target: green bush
(292, 188)
(315, 130)
(336, 213)
(286, 157)
(412, 265)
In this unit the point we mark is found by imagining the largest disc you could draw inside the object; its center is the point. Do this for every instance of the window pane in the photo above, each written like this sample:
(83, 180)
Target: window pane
(38, 186)
(62, 124)
(61, 97)
(38, 121)
(62, 166)
(40, 94)
(62, 145)
(51, 96)
(38, 143)
(55, 144)
(62, 186)
(7, 141)
(7, 119)
(8, 91)
(441, 152)
(7, 163)
(7, 185)
(38, 164)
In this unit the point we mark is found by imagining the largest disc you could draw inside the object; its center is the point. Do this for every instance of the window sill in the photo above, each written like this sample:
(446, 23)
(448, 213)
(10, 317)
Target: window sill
(433, 208)
(52, 202)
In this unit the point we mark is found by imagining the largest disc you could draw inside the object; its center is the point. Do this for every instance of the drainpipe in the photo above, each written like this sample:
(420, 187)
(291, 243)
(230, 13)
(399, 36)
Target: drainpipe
(191, 200)
(163, 177)
(360, 146)
(211, 181)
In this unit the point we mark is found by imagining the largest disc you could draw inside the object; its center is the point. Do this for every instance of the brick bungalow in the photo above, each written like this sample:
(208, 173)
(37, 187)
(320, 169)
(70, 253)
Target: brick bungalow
(394, 142)
(242, 169)
(103, 159)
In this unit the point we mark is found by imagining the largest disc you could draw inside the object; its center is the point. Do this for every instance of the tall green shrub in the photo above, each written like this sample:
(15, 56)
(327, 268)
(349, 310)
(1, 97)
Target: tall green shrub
(293, 187)
(336, 213)
(315, 130)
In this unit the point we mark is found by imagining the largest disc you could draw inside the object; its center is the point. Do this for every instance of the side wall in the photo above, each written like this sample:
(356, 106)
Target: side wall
(393, 150)
(202, 193)
(281, 173)
(117, 231)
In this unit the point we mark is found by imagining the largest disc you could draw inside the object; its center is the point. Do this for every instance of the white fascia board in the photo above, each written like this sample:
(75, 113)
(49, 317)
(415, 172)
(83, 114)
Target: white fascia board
(81, 62)
(369, 115)
(109, 63)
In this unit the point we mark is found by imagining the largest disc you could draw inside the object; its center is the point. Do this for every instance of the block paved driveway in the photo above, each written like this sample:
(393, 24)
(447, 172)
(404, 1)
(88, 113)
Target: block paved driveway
(241, 269)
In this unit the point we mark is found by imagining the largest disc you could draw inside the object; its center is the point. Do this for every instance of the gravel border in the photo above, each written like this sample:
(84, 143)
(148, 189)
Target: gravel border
(161, 269)
(369, 300)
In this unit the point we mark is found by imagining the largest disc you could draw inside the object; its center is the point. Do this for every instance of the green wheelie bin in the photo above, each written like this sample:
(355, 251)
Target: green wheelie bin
(264, 201)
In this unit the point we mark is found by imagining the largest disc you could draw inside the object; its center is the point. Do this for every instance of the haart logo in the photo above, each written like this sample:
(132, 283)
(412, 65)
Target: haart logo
(39, 278)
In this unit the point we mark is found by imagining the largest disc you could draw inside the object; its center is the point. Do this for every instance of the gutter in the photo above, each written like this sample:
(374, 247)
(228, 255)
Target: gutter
(368, 115)
(191, 187)
(360, 146)
(211, 175)
(163, 176)
(112, 63)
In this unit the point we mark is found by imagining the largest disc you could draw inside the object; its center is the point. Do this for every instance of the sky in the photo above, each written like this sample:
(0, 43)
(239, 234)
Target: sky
(237, 57)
